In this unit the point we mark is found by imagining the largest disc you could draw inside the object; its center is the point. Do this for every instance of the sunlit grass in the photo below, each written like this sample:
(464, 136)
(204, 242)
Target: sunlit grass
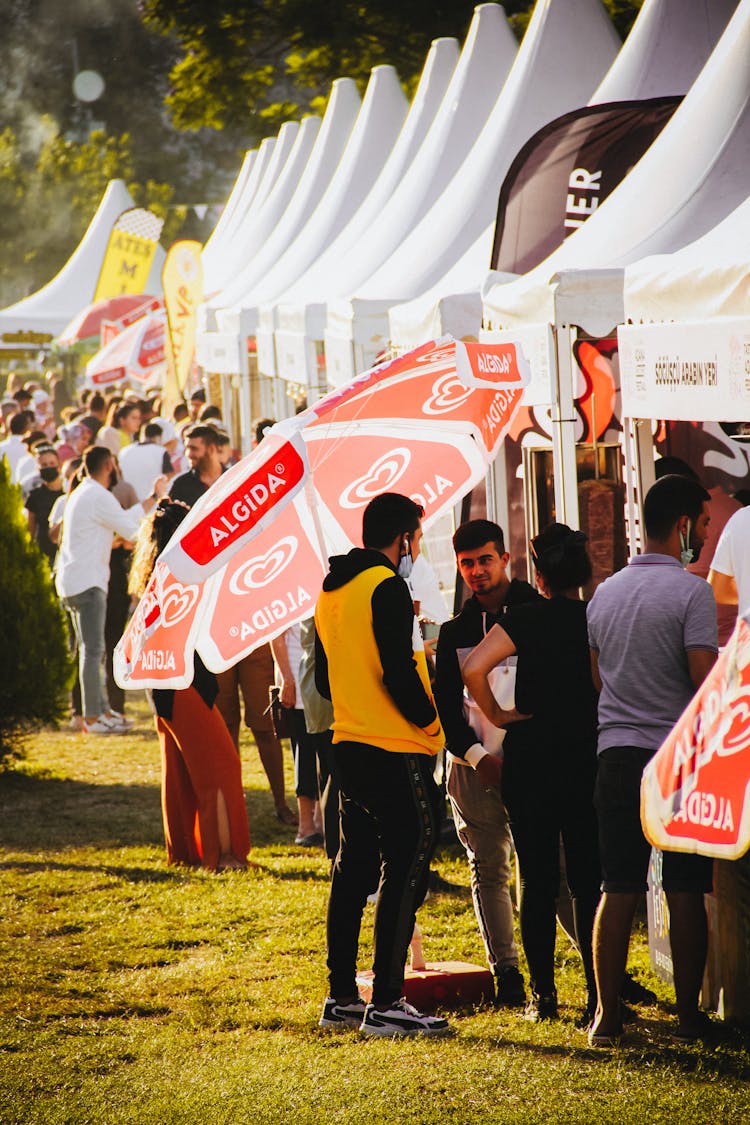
(134, 992)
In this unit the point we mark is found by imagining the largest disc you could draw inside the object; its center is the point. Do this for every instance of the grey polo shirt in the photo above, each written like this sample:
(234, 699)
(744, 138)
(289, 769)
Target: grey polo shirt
(640, 622)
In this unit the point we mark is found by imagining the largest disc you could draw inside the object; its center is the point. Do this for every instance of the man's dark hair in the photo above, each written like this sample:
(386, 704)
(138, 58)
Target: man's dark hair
(473, 534)
(44, 447)
(387, 516)
(203, 431)
(22, 395)
(151, 431)
(668, 499)
(19, 423)
(260, 428)
(180, 412)
(198, 395)
(674, 466)
(94, 458)
(208, 412)
(97, 401)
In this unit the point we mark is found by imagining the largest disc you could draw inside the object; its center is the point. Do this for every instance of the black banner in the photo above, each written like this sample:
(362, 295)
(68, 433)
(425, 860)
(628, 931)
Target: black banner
(565, 171)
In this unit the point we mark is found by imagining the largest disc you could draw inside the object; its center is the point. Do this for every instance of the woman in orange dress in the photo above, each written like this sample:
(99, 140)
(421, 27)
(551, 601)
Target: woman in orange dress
(203, 803)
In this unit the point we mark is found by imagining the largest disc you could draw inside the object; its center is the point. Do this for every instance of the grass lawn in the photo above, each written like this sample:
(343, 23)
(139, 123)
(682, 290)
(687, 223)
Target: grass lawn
(133, 992)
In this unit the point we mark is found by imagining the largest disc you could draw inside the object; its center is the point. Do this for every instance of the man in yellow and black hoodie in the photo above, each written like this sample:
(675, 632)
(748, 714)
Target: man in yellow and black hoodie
(370, 662)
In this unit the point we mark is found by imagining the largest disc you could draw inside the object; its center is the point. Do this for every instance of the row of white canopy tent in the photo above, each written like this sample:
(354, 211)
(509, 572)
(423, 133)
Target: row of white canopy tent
(47, 311)
(341, 271)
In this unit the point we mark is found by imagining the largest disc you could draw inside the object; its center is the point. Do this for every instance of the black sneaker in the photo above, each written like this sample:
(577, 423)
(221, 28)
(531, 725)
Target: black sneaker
(541, 1007)
(341, 1016)
(633, 992)
(401, 1019)
(510, 991)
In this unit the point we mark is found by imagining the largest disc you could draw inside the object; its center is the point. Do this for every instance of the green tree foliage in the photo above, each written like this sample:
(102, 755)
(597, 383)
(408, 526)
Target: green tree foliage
(35, 666)
(268, 60)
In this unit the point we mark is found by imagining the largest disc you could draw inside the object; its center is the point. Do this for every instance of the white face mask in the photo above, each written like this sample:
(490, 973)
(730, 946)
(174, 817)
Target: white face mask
(406, 562)
(687, 553)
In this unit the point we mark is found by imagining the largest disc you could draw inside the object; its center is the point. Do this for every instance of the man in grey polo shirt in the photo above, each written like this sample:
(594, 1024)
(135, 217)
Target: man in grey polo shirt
(653, 638)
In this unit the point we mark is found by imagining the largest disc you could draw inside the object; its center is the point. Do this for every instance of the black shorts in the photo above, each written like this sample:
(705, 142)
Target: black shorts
(625, 851)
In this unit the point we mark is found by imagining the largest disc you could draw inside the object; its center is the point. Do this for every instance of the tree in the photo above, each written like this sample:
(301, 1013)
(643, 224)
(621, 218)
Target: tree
(35, 667)
(264, 61)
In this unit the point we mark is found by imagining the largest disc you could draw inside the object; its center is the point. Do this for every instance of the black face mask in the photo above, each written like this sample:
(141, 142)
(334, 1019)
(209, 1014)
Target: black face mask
(49, 473)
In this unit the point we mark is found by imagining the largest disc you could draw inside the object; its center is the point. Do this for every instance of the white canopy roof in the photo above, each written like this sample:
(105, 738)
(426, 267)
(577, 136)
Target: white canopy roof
(565, 53)
(691, 177)
(220, 235)
(667, 46)
(55, 304)
(378, 123)
(301, 310)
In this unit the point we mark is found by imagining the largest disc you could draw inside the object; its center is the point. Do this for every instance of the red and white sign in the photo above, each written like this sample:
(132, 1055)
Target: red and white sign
(695, 793)
(156, 649)
(259, 537)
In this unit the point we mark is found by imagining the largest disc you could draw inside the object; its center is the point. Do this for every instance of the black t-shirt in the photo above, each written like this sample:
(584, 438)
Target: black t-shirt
(40, 502)
(553, 677)
(187, 487)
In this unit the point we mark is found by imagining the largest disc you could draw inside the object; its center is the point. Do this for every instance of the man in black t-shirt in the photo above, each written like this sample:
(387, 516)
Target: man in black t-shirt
(41, 500)
(474, 770)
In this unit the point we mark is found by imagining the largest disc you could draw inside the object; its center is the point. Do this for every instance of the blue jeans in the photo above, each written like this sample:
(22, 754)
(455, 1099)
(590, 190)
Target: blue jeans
(87, 612)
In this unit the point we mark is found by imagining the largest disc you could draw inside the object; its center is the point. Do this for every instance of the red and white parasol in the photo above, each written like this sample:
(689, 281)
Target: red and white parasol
(136, 354)
(695, 792)
(88, 322)
(250, 558)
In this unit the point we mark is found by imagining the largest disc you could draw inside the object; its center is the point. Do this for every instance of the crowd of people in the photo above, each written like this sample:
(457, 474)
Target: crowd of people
(541, 702)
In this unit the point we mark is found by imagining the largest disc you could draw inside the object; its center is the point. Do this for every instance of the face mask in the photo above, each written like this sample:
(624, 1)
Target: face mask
(49, 473)
(406, 562)
(687, 553)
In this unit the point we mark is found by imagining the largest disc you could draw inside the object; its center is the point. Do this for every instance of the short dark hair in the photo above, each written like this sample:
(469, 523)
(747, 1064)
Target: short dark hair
(203, 431)
(19, 423)
(674, 466)
(209, 411)
(387, 516)
(667, 500)
(97, 401)
(198, 395)
(151, 431)
(260, 428)
(473, 534)
(560, 554)
(94, 458)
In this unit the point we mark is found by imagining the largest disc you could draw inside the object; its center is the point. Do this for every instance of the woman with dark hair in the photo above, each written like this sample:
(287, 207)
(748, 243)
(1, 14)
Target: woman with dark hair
(549, 763)
(203, 804)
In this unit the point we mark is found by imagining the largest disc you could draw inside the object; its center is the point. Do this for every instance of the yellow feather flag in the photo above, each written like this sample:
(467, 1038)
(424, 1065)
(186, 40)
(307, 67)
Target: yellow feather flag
(130, 254)
(182, 282)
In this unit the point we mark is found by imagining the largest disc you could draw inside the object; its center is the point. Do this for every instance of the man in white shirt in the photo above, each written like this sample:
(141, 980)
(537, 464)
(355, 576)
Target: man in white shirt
(14, 448)
(146, 459)
(730, 567)
(92, 517)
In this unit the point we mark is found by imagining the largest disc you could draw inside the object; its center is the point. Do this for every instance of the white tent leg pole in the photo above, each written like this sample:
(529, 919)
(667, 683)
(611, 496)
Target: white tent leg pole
(563, 432)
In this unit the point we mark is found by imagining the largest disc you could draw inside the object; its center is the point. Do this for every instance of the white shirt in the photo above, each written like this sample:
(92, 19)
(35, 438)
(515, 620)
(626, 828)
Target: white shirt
(13, 449)
(141, 464)
(92, 517)
(732, 555)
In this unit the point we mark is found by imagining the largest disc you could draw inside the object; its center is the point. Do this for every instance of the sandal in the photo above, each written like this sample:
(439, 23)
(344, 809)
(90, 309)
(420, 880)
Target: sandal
(285, 815)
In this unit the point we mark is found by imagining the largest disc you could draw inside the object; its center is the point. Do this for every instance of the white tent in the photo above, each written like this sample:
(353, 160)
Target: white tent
(412, 180)
(693, 175)
(291, 154)
(224, 351)
(685, 347)
(565, 53)
(667, 46)
(221, 234)
(379, 120)
(49, 309)
(301, 310)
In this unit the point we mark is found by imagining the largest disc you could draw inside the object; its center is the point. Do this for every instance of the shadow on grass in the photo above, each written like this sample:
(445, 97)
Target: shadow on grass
(44, 813)
(131, 874)
(648, 1045)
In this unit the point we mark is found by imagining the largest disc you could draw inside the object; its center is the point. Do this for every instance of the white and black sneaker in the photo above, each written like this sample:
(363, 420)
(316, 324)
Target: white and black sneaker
(340, 1016)
(401, 1019)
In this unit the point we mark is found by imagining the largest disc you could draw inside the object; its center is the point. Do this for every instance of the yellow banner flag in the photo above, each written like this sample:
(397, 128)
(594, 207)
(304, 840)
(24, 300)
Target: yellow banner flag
(182, 281)
(130, 254)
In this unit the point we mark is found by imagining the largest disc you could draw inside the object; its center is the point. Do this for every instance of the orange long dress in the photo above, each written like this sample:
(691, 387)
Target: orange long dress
(199, 761)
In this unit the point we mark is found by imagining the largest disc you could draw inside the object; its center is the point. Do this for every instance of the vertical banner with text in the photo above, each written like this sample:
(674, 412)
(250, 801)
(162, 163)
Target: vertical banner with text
(182, 281)
(130, 254)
